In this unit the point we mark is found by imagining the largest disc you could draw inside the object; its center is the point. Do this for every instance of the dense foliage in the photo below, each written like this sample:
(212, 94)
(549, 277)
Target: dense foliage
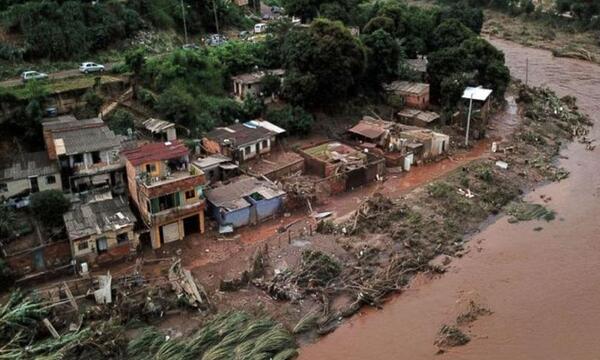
(49, 206)
(70, 29)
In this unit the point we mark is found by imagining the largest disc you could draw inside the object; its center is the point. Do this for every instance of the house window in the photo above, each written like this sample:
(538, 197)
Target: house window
(50, 179)
(96, 157)
(265, 144)
(122, 238)
(78, 158)
(247, 150)
(150, 168)
(3, 187)
(82, 245)
(101, 244)
(190, 194)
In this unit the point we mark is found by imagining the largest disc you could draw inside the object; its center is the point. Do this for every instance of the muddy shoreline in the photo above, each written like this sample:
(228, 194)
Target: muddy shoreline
(534, 282)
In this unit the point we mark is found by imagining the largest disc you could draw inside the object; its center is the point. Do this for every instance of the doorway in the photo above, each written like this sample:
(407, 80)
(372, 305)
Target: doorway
(33, 184)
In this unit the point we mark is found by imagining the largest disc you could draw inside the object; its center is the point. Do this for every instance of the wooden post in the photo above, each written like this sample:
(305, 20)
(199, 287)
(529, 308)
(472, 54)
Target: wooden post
(70, 296)
(51, 328)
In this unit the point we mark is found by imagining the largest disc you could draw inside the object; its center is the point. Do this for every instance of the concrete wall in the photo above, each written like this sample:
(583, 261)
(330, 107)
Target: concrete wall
(18, 186)
(237, 218)
(111, 238)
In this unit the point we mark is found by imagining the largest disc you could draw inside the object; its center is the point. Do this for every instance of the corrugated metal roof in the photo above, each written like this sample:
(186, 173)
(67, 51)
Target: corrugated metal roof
(407, 87)
(367, 130)
(155, 152)
(231, 196)
(77, 141)
(98, 217)
(239, 134)
(479, 93)
(268, 125)
(157, 125)
(25, 165)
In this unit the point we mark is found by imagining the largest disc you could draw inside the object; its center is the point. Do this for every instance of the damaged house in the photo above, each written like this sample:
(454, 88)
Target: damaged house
(216, 168)
(250, 84)
(161, 130)
(239, 142)
(401, 145)
(420, 118)
(166, 190)
(243, 201)
(29, 173)
(101, 231)
(87, 152)
(342, 166)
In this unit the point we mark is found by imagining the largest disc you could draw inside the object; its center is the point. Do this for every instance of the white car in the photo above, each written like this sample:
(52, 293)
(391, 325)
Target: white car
(33, 75)
(89, 67)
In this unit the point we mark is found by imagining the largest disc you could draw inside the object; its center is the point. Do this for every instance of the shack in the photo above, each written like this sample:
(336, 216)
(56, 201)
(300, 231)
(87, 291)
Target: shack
(414, 94)
(161, 130)
(250, 84)
(480, 111)
(101, 231)
(343, 166)
(421, 118)
(216, 168)
(243, 201)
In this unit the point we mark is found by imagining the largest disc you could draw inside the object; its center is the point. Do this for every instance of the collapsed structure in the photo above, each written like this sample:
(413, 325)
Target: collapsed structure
(401, 145)
(101, 231)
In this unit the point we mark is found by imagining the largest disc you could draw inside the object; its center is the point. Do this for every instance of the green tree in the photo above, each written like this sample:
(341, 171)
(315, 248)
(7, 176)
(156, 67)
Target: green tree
(253, 107)
(49, 206)
(470, 16)
(8, 220)
(271, 85)
(120, 121)
(383, 55)
(450, 33)
(452, 88)
(380, 23)
(326, 57)
(294, 119)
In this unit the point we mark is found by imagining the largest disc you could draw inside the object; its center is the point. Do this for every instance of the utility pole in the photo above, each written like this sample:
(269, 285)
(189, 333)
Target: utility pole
(469, 120)
(216, 17)
(184, 23)
(527, 72)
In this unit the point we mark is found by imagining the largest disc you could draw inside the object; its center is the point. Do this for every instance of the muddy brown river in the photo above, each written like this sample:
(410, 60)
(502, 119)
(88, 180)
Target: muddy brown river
(543, 287)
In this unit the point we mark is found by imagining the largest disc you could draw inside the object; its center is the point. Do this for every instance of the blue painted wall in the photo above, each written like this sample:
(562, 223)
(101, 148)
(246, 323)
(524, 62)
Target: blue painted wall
(242, 217)
(266, 208)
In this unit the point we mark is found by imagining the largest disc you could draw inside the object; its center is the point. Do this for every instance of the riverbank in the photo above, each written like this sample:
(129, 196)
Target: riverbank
(535, 283)
(560, 36)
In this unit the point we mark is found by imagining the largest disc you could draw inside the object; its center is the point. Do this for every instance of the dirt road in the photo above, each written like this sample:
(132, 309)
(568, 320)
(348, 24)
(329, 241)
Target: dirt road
(540, 285)
(52, 76)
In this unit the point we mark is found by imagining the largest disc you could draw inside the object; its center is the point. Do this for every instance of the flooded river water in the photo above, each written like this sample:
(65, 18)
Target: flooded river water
(543, 287)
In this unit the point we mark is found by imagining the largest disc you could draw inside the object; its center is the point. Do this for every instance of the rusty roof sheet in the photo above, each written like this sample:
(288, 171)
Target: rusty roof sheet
(406, 87)
(155, 152)
(370, 131)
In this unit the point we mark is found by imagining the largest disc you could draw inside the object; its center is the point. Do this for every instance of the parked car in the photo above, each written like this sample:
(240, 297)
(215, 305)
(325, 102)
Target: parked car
(33, 75)
(190, 47)
(89, 67)
(260, 28)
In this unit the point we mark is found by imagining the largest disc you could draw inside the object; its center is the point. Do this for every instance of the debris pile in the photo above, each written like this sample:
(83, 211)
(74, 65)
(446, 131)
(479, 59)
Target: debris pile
(523, 211)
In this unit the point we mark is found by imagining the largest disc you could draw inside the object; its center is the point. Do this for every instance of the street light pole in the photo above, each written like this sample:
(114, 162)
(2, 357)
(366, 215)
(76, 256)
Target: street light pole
(185, 34)
(469, 120)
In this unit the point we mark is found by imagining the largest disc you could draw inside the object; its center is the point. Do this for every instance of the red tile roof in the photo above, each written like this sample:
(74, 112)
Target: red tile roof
(155, 152)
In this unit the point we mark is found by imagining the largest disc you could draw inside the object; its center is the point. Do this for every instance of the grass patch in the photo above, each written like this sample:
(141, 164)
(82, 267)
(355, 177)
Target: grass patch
(523, 211)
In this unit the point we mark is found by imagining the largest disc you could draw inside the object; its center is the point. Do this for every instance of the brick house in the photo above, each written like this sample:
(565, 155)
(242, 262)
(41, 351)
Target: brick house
(415, 95)
(167, 192)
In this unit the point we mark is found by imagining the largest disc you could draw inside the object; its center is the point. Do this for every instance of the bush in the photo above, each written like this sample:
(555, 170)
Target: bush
(294, 119)
(49, 206)
(120, 121)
